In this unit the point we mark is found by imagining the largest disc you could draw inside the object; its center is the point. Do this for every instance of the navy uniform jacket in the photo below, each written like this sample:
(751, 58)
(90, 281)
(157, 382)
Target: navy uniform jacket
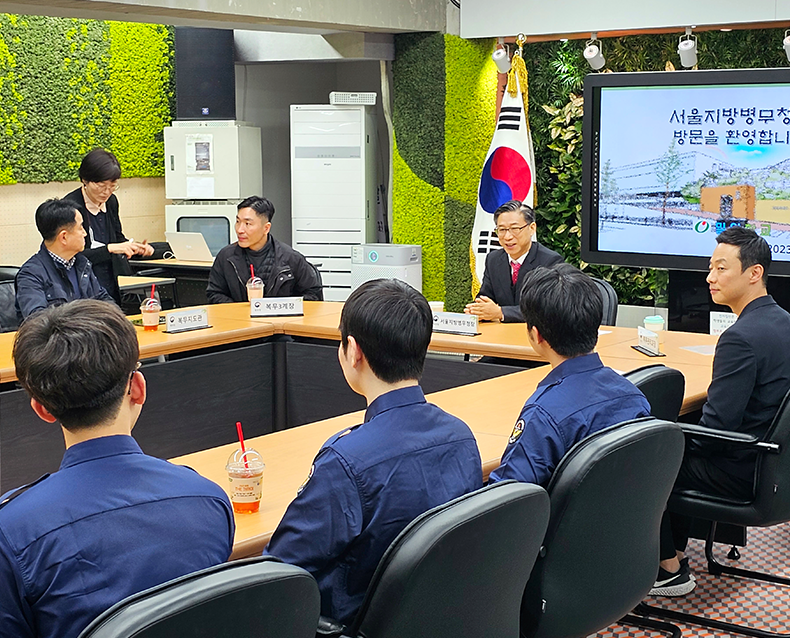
(498, 279)
(751, 375)
(577, 398)
(41, 282)
(111, 522)
(366, 485)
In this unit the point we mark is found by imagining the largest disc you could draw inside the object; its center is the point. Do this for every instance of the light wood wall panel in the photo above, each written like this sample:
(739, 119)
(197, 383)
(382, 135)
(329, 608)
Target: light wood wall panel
(142, 206)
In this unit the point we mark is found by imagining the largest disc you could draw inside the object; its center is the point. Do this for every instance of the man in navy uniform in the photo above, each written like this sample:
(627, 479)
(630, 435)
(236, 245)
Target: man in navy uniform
(563, 309)
(505, 270)
(368, 482)
(751, 375)
(58, 272)
(112, 521)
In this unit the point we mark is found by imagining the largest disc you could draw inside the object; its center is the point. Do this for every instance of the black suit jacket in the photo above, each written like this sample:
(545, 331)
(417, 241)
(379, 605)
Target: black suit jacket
(498, 281)
(751, 375)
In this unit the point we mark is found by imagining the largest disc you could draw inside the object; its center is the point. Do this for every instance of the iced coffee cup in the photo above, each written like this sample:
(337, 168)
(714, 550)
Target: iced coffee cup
(254, 288)
(245, 474)
(150, 309)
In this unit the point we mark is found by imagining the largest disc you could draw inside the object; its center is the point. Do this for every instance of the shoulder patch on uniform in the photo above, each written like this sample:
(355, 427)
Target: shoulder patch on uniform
(306, 481)
(518, 430)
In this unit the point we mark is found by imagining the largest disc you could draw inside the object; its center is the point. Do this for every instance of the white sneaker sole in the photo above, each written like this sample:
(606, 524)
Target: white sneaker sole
(680, 589)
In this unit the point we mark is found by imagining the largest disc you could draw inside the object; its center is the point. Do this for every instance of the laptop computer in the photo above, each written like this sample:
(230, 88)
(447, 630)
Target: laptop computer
(189, 246)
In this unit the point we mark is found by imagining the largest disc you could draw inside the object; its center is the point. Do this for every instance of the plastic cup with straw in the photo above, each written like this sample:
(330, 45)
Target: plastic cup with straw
(245, 475)
(254, 286)
(150, 309)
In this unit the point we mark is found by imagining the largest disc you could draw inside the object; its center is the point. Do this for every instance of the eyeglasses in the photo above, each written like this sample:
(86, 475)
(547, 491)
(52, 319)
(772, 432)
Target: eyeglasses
(110, 186)
(513, 230)
(131, 376)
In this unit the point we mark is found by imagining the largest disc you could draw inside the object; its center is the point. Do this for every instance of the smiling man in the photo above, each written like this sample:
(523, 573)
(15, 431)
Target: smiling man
(751, 375)
(284, 271)
(505, 269)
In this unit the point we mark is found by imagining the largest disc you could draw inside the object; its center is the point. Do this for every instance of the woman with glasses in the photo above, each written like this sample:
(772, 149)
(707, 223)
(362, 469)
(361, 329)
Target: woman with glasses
(105, 244)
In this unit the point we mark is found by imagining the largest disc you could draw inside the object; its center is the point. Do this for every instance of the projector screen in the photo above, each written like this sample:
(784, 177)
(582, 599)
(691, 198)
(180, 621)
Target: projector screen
(671, 159)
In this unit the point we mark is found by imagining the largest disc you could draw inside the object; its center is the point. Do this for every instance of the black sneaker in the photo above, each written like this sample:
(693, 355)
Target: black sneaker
(679, 583)
(684, 564)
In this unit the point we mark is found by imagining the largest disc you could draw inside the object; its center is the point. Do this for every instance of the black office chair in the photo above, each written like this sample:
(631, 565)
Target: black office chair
(609, 297)
(770, 506)
(317, 272)
(663, 387)
(8, 316)
(458, 570)
(241, 599)
(600, 555)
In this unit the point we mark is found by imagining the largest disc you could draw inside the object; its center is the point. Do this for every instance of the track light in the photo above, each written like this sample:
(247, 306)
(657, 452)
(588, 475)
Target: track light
(786, 44)
(687, 49)
(593, 54)
(501, 59)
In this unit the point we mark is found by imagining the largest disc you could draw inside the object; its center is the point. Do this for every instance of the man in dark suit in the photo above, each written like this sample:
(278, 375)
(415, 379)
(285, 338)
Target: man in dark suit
(751, 375)
(505, 269)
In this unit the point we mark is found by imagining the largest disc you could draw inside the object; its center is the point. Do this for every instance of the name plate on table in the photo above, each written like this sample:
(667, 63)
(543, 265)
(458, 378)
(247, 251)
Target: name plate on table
(184, 320)
(720, 321)
(456, 323)
(648, 343)
(277, 307)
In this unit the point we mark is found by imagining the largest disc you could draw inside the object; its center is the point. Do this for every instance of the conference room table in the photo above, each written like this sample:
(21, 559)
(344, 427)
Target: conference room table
(490, 408)
(232, 371)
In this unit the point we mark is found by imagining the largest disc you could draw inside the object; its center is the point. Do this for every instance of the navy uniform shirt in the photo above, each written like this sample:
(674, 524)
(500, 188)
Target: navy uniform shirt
(110, 523)
(366, 485)
(578, 397)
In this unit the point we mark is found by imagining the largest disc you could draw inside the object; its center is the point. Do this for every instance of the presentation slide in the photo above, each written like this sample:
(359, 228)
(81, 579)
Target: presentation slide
(678, 165)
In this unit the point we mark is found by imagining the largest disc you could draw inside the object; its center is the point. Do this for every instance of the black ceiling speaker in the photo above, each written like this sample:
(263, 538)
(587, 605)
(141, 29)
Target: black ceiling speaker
(205, 74)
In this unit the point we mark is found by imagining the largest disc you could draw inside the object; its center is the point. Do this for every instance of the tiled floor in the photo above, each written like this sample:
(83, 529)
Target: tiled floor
(760, 605)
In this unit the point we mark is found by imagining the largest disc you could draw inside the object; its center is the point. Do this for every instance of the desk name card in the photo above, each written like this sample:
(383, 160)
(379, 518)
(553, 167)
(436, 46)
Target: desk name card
(648, 342)
(720, 321)
(184, 320)
(277, 307)
(456, 323)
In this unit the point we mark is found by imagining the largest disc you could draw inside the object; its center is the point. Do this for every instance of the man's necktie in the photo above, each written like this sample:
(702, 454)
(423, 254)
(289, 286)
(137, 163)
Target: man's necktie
(516, 267)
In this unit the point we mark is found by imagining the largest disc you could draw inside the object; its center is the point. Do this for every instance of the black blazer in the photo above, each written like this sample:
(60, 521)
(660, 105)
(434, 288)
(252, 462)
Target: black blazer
(115, 236)
(498, 282)
(751, 375)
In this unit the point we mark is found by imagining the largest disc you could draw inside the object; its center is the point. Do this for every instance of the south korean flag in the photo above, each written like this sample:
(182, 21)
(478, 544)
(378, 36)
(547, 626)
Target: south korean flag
(509, 169)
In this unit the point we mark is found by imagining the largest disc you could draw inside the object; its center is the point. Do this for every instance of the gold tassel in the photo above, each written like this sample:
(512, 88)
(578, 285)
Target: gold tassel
(519, 69)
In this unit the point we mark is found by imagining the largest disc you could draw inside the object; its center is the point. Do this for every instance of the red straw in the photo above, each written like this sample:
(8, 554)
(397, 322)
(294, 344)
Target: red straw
(241, 439)
(252, 272)
(153, 286)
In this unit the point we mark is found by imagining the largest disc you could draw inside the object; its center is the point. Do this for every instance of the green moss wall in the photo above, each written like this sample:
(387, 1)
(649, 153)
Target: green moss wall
(443, 121)
(69, 85)
(444, 110)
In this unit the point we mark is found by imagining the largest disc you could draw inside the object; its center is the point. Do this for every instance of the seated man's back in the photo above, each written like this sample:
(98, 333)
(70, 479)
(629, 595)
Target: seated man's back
(112, 521)
(563, 309)
(369, 482)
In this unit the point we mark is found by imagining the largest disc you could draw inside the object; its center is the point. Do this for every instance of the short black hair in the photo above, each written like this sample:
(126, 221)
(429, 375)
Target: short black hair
(392, 323)
(565, 306)
(753, 248)
(53, 216)
(77, 360)
(99, 166)
(260, 205)
(508, 207)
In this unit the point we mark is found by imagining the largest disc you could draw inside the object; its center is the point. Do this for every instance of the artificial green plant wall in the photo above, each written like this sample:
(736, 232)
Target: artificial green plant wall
(435, 182)
(69, 85)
